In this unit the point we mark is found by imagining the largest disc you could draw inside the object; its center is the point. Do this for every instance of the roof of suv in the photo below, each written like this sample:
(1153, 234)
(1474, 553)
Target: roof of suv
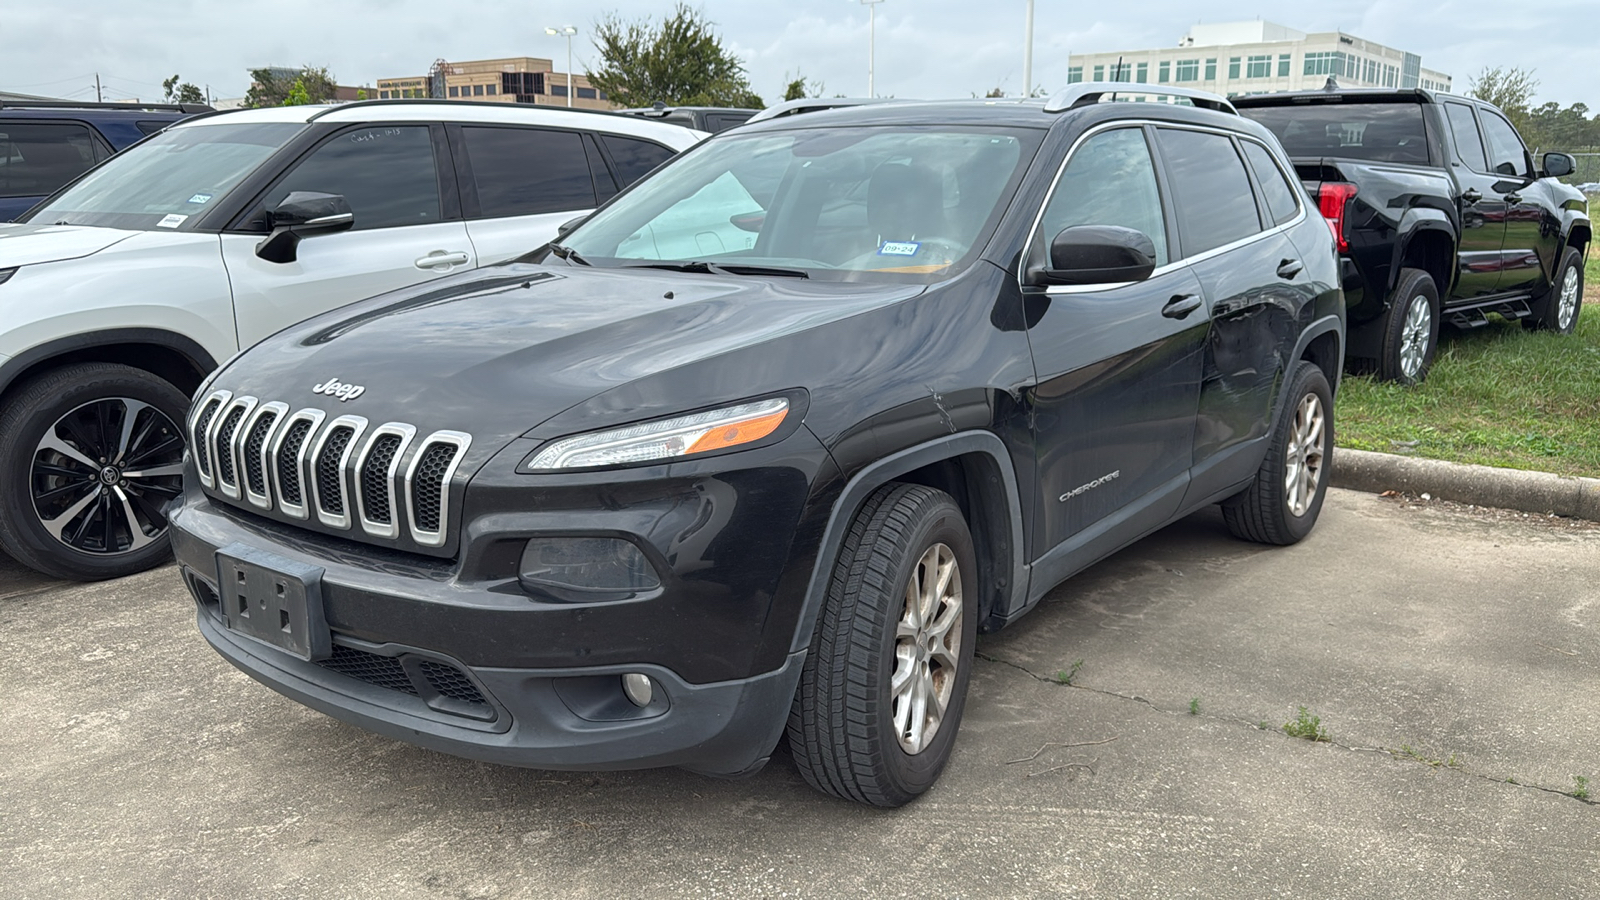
(446, 111)
(1011, 112)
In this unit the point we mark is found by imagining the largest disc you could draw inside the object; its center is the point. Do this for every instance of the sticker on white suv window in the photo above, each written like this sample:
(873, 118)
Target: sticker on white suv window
(899, 248)
(200, 198)
(171, 220)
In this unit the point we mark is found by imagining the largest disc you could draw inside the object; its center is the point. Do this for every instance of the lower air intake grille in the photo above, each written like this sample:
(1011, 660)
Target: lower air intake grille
(383, 671)
(450, 682)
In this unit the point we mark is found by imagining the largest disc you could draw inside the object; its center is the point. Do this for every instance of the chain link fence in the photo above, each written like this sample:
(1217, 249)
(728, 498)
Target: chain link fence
(1588, 171)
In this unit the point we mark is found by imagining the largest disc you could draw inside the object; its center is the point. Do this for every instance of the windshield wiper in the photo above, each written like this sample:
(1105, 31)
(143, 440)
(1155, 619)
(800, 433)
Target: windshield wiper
(568, 254)
(712, 268)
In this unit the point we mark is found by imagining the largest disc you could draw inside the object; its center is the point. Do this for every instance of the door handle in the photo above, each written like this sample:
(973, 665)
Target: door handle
(1180, 306)
(1289, 268)
(1471, 195)
(441, 259)
(1513, 198)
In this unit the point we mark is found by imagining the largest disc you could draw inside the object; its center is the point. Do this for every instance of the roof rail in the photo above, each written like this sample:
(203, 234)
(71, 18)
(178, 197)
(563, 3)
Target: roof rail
(360, 104)
(1074, 96)
(90, 104)
(813, 104)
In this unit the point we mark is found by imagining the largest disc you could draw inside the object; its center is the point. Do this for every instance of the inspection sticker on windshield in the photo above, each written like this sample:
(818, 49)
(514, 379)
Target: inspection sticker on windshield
(899, 248)
(200, 198)
(171, 220)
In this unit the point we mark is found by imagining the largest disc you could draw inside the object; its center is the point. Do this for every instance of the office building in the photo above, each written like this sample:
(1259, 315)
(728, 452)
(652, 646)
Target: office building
(517, 79)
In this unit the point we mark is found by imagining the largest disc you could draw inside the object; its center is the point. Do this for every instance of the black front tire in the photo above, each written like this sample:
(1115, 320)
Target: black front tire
(850, 726)
(1282, 504)
(1410, 329)
(1559, 308)
(83, 408)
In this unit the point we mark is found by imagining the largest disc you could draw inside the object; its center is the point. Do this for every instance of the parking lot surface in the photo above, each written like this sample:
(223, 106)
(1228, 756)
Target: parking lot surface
(1452, 661)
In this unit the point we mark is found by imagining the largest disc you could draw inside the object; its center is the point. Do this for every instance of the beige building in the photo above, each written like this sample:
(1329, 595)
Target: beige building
(1233, 58)
(516, 79)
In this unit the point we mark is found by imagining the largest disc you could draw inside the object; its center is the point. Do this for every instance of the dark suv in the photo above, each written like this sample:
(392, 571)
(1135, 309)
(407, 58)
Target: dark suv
(45, 144)
(765, 443)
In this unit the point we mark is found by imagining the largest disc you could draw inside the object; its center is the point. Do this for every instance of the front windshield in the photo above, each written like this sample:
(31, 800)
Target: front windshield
(168, 179)
(895, 203)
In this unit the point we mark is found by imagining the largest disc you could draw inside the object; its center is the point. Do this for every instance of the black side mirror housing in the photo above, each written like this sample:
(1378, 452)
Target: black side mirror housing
(303, 214)
(1097, 254)
(1556, 165)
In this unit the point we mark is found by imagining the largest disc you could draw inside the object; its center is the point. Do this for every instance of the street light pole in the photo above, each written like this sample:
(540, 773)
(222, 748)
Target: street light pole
(1027, 54)
(872, 40)
(569, 31)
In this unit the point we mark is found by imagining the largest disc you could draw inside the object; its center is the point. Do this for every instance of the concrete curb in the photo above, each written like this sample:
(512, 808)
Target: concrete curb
(1535, 492)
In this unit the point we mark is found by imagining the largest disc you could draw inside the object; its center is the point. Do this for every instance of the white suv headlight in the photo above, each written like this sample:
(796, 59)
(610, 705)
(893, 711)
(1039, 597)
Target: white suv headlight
(716, 429)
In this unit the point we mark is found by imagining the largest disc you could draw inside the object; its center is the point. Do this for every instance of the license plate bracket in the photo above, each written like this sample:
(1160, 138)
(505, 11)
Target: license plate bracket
(274, 600)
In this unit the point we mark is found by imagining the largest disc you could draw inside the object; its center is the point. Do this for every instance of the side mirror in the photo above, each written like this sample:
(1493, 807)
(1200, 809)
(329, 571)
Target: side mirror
(570, 224)
(1559, 164)
(303, 214)
(1097, 254)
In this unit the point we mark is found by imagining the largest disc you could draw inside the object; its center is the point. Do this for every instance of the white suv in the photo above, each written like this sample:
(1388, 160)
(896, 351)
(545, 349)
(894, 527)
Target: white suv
(121, 292)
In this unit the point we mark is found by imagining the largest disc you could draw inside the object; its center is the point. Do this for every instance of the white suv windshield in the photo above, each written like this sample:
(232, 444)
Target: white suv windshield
(169, 179)
(881, 203)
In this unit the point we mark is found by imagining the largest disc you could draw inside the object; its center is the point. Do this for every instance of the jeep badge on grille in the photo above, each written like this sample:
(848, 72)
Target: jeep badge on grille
(333, 387)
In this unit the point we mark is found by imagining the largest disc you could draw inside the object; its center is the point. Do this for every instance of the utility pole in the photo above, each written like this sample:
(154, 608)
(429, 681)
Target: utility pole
(97, 88)
(872, 40)
(1027, 54)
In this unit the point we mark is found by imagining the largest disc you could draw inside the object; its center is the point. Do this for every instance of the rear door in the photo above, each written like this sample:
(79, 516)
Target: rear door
(520, 184)
(408, 227)
(1482, 209)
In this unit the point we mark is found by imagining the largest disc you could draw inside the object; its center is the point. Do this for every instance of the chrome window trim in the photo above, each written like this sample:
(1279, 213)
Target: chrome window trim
(197, 441)
(263, 501)
(378, 529)
(301, 510)
(247, 404)
(358, 425)
(1173, 265)
(462, 440)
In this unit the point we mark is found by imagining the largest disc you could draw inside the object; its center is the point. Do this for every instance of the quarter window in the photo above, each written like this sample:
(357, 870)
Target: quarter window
(1110, 180)
(527, 171)
(1210, 188)
(385, 172)
(1275, 186)
(1506, 153)
(37, 159)
(633, 158)
(1464, 127)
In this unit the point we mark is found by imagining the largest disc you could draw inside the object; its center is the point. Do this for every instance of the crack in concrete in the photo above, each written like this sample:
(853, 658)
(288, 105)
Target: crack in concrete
(1394, 754)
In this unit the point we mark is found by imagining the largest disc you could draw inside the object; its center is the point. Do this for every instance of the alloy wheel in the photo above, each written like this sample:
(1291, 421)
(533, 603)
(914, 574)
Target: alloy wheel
(1414, 337)
(927, 648)
(1303, 471)
(1568, 308)
(102, 474)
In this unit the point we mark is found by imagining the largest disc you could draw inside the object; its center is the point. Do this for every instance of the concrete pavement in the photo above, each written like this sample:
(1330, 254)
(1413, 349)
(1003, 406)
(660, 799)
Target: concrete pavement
(1453, 661)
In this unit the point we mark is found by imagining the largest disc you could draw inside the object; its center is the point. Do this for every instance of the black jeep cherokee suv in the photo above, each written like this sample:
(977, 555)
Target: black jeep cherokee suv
(763, 445)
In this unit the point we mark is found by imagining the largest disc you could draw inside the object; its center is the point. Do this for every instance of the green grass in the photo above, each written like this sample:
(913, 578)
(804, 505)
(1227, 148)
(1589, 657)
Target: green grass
(1497, 396)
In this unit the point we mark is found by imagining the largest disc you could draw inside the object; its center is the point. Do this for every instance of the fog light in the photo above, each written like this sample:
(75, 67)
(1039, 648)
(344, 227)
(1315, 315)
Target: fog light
(585, 569)
(638, 688)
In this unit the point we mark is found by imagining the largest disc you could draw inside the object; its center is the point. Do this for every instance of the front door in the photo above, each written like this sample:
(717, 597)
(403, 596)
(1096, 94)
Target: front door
(407, 230)
(1529, 242)
(1118, 371)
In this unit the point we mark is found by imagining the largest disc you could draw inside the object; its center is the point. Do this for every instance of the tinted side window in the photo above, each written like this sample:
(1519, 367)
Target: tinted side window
(1110, 180)
(386, 173)
(151, 127)
(1279, 192)
(525, 171)
(1506, 153)
(1464, 127)
(37, 159)
(633, 157)
(1210, 188)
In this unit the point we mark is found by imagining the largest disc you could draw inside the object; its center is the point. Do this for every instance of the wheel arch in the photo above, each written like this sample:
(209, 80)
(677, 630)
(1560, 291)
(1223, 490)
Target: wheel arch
(1430, 247)
(178, 360)
(975, 468)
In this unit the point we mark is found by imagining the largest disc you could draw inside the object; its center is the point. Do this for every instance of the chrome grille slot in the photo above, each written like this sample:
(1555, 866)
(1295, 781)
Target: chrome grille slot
(202, 427)
(427, 485)
(225, 453)
(256, 436)
(330, 463)
(287, 456)
(375, 478)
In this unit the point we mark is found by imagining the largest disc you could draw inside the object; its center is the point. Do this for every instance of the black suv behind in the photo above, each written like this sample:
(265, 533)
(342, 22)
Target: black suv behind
(765, 443)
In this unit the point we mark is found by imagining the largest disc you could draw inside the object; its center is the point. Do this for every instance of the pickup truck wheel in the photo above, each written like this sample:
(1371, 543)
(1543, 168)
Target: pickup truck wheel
(885, 681)
(1558, 309)
(1281, 505)
(1410, 329)
(89, 456)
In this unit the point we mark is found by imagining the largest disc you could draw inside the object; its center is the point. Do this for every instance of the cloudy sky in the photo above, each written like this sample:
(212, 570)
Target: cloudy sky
(925, 48)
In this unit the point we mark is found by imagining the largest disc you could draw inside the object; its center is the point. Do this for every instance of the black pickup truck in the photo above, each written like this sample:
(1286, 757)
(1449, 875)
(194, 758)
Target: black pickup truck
(1440, 214)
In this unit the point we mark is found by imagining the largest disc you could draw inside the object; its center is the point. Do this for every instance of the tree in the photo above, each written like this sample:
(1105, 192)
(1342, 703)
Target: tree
(1511, 90)
(681, 62)
(801, 88)
(182, 93)
(298, 96)
(271, 87)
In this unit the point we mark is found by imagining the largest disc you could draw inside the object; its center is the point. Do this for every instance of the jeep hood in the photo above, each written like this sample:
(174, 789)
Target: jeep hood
(25, 245)
(496, 352)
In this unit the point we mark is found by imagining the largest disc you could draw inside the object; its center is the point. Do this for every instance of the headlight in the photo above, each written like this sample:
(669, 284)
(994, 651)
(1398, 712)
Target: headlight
(716, 429)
